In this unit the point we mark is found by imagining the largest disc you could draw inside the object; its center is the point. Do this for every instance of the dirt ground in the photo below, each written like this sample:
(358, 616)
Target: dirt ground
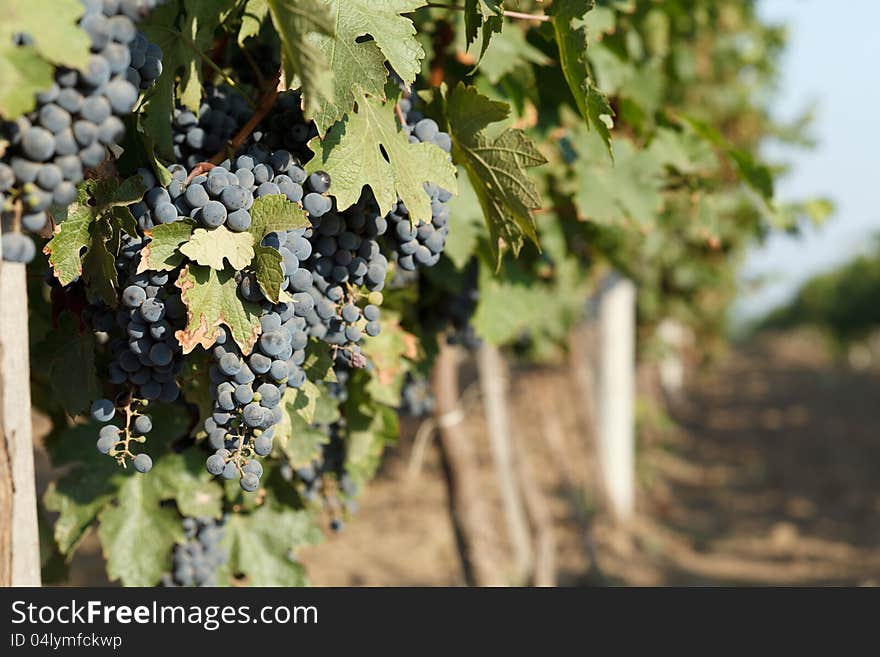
(766, 472)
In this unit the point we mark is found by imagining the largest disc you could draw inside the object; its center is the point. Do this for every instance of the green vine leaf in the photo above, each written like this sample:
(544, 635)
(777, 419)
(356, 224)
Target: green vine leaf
(352, 153)
(628, 189)
(66, 358)
(211, 298)
(389, 352)
(571, 39)
(162, 252)
(273, 213)
(300, 25)
(486, 16)
(259, 543)
(196, 493)
(138, 533)
(23, 74)
(99, 266)
(66, 246)
(57, 39)
(267, 266)
(255, 12)
(211, 247)
(52, 24)
(358, 64)
(184, 37)
(497, 167)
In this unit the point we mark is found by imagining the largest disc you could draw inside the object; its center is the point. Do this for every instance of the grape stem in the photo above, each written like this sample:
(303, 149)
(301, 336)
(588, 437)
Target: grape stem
(266, 103)
(18, 208)
(199, 169)
(400, 116)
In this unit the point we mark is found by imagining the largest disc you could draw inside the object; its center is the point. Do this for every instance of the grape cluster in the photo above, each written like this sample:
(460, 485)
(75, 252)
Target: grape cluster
(76, 119)
(199, 138)
(286, 128)
(117, 441)
(195, 561)
(146, 62)
(416, 399)
(147, 357)
(460, 307)
(346, 256)
(325, 480)
(248, 393)
(423, 244)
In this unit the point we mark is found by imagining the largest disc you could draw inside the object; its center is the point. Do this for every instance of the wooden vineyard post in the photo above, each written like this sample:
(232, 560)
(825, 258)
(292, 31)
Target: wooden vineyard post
(616, 395)
(19, 537)
(493, 382)
(471, 517)
(672, 370)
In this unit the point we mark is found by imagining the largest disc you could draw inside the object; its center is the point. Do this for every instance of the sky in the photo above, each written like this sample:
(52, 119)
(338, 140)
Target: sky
(832, 61)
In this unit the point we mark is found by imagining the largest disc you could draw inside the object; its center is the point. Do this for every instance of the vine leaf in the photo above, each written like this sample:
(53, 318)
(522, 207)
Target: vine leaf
(629, 189)
(371, 427)
(23, 74)
(80, 244)
(274, 213)
(57, 39)
(66, 358)
(184, 38)
(161, 253)
(99, 266)
(570, 32)
(368, 149)
(211, 298)
(211, 247)
(252, 18)
(299, 24)
(195, 492)
(358, 63)
(485, 15)
(136, 521)
(388, 352)
(258, 545)
(52, 24)
(497, 167)
(304, 441)
(66, 246)
(267, 265)
(319, 366)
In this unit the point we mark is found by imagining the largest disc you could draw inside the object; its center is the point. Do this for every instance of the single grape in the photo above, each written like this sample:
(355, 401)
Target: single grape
(143, 424)
(143, 463)
(102, 410)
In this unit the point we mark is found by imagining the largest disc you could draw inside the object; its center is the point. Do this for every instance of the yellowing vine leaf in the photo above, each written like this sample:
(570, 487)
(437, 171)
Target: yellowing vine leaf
(161, 253)
(212, 247)
(211, 298)
(368, 149)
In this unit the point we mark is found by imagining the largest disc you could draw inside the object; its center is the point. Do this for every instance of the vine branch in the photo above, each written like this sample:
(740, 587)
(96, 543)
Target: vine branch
(540, 18)
(267, 101)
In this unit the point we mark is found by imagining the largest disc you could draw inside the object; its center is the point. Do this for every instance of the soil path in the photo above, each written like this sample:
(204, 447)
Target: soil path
(771, 475)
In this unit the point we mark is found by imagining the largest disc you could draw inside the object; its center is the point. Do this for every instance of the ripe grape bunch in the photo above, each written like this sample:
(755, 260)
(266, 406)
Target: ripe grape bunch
(333, 272)
(195, 561)
(420, 245)
(117, 441)
(75, 121)
(198, 137)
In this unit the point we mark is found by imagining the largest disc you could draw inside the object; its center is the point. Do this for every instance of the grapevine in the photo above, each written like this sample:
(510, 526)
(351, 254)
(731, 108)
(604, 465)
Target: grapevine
(255, 249)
